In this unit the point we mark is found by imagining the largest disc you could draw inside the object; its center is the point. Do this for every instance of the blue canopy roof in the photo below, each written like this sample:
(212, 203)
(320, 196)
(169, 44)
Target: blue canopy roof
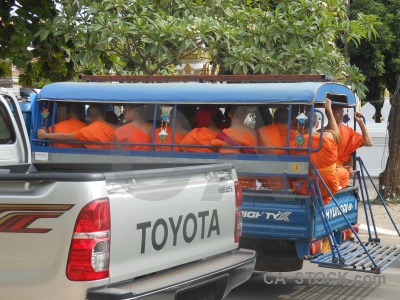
(199, 93)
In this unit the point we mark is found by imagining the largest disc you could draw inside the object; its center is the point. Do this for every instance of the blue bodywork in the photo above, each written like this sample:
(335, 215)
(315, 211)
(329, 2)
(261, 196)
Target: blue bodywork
(197, 93)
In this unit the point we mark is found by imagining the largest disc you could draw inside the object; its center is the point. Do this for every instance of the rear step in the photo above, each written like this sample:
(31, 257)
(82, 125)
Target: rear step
(354, 257)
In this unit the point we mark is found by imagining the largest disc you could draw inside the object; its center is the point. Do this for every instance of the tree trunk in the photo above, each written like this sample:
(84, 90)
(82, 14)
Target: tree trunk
(389, 180)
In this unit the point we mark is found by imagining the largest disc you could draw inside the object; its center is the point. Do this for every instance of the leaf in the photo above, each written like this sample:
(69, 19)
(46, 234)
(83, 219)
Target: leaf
(236, 69)
(45, 33)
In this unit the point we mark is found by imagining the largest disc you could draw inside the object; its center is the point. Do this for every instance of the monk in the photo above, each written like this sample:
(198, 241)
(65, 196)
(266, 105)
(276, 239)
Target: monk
(350, 140)
(323, 159)
(274, 135)
(75, 115)
(97, 131)
(136, 129)
(207, 118)
(181, 129)
(237, 134)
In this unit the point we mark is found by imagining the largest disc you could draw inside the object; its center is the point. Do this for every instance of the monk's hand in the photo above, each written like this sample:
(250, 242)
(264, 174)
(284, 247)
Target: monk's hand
(41, 134)
(350, 170)
(358, 116)
(328, 104)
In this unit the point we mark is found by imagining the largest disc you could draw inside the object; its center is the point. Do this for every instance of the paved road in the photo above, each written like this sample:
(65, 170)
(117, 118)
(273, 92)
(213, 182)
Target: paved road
(382, 220)
(316, 283)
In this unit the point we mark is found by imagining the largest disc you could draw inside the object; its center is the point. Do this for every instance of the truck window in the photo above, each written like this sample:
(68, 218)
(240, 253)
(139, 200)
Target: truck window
(6, 133)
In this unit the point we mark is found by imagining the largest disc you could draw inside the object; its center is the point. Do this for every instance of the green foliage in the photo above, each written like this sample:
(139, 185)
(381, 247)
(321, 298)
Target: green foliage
(21, 21)
(240, 37)
(379, 59)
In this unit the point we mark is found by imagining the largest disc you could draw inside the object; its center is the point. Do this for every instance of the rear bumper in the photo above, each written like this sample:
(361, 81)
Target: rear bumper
(217, 275)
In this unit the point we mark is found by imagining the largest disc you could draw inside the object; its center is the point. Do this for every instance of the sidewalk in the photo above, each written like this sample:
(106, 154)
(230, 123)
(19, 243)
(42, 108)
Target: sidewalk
(384, 225)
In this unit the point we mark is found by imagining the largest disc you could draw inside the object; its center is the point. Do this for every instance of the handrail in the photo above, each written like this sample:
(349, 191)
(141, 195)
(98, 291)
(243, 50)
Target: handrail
(336, 248)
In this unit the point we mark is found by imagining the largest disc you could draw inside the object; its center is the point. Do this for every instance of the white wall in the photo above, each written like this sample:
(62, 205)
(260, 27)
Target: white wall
(375, 157)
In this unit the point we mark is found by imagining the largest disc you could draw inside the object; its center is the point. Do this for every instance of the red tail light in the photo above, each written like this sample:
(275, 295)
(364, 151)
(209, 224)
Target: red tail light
(346, 234)
(315, 247)
(238, 194)
(89, 253)
(238, 214)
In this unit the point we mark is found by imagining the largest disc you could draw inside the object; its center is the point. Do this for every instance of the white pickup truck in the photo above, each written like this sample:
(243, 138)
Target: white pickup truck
(115, 231)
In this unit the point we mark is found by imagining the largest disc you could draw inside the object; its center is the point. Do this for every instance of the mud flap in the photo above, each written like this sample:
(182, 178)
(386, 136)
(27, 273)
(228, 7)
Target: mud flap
(353, 257)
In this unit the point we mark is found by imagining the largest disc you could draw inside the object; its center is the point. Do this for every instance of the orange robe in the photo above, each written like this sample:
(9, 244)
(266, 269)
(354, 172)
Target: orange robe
(350, 141)
(67, 126)
(130, 133)
(199, 136)
(274, 135)
(178, 137)
(235, 137)
(325, 162)
(95, 132)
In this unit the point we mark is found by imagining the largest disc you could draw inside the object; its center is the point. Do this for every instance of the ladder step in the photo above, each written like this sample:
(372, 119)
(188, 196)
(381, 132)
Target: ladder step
(354, 257)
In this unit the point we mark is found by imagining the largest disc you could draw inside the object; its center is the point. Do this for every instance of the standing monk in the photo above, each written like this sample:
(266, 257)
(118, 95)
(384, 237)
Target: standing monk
(323, 159)
(135, 130)
(97, 131)
(206, 131)
(75, 115)
(350, 140)
(237, 134)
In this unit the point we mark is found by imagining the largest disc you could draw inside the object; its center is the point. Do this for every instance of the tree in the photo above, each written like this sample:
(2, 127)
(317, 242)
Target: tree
(149, 37)
(19, 22)
(379, 59)
(241, 37)
(389, 185)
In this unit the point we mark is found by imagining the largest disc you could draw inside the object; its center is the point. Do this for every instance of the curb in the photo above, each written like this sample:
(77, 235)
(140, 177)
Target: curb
(363, 228)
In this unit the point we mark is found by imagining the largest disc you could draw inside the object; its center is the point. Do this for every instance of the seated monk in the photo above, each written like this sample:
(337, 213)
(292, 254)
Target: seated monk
(275, 135)
(237, 134)
(181, 125)
(97, 131)
(75, 115)
(135, 129)
(323, 159)
(207, 118)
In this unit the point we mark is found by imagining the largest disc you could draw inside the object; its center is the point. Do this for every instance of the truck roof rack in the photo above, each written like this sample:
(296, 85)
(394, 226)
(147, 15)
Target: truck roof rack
(209, 78)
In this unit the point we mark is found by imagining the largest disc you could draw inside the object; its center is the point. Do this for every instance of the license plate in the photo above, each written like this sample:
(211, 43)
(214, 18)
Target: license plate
(326, 247)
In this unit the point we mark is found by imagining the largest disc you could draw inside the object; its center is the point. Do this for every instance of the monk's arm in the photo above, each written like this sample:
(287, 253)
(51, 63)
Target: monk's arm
(56, 136)
(332, 125)
(367, 137)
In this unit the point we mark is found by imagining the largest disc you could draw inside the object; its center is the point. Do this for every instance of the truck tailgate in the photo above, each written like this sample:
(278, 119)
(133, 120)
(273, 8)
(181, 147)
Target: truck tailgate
(157, 224)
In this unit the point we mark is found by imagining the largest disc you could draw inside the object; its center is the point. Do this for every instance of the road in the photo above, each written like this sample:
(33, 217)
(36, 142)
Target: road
(316, 283)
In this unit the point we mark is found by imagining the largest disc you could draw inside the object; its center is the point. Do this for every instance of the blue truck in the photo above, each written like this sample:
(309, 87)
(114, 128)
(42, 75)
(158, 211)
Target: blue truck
(284, 228)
